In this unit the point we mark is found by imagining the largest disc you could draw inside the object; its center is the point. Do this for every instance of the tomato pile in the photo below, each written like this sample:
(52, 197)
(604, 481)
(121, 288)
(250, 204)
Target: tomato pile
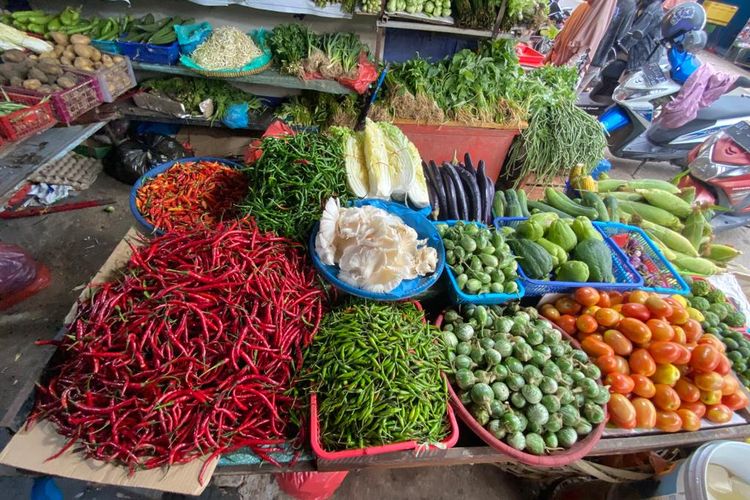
(662, 370)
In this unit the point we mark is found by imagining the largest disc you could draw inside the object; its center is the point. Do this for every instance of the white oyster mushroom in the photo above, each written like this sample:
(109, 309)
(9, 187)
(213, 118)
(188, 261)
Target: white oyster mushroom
(325, 241)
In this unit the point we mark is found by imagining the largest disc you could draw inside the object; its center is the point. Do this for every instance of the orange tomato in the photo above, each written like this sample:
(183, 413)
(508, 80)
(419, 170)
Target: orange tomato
(643, 387)
(679, 315)
(668, 421)
(618, 342)
(622, 365)
(736, 401)
(684, 355)
(635, 330)
(615, 298)
(667, 374)
(637, 297)
(607, 363)
(550, 312)
(567, 323)
(705, 358)
(712, 340)
(665, 398)
(641, 362)
(645, 413)
(690, 421)
(730, 386)
(724, 365)
(621, 411)
(604, 299)
(637, 311)
(679, 335)
(586, 323)
(590, 310)
(664, 352)
(607, 317)
(719, 414)
(596, 348)
(711, 397)
(698, 408)
(660, 329)
(658, 307)
(586, 296)
(566, 305)
(693, 330)
(619, 383)
(710, 381)
(687, 391)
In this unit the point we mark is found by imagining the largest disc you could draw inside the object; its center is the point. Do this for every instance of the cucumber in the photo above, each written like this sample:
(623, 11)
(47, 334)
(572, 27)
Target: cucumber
(543, 207)
(593, 200)
(611, 203)
(608, 185)
(523, 202)
(498, 204)
(562, 202)
(514, 207)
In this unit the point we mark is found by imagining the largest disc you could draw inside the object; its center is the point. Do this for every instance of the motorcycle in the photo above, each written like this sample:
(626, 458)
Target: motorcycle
(628, 120)
(719, 169)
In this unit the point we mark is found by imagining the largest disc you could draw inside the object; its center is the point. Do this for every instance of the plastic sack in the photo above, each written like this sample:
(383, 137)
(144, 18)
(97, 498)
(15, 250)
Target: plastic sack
(17, 269)
(257, 64)
(277, 128)
(366, 74)
(310, 485)
(189, 36)
(129, 160)
(237, 116)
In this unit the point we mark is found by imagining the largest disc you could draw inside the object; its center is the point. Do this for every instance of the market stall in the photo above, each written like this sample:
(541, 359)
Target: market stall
(428, 276)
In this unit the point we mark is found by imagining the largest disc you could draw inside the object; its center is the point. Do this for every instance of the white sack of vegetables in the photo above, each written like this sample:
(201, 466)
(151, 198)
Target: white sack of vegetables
(374, 249)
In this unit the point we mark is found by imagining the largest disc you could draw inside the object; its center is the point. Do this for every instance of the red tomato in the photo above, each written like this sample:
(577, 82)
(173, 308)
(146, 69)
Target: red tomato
(667, 374)
(698, 408)
(736, 401)
(637, 311)
(664, 352)
(635, 330)
(607, 363)
(643, 387)
(619, 383)
(730, 386)
(679, 335)
(607, 317)
(615, 298)
(658, 307)
(660, 329)
(684, 355)
(567, 323)
(586, 323)
(711, 381)
(586, 296)
(645, 413)
(687, 391)
(668, 421)
(621, 411)
(693, 330)
(622, 365)
(637, 297)
(550, 312)
(679, 315)
(711, 397)
(618, 342)
(719, 414)
(724, 365)
(641, 362)
(596, 348)
(604, 300)
(666, 398)
(712, 340)
(566, 305)
(690, 421)
(705, 358)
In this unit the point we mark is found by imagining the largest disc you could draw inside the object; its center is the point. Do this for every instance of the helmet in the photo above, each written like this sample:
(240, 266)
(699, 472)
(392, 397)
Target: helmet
(682, 19)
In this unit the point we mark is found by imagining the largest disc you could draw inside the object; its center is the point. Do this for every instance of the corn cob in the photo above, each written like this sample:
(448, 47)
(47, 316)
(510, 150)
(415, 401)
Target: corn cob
(720, 253)
(651, 214)
(672, 239)
(696, 265)
(667, 201)
(693, 229)
(652, 184)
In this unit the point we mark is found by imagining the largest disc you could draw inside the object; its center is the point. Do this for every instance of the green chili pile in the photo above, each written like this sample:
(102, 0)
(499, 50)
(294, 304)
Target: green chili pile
(290, 183)
(376, 369)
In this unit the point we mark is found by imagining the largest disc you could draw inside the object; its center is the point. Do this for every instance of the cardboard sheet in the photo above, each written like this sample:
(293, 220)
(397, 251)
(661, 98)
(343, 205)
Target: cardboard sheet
(29, 450)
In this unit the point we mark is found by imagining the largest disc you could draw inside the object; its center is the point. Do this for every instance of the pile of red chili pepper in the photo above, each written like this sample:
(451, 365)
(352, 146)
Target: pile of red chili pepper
(190, 353)
(190, 194)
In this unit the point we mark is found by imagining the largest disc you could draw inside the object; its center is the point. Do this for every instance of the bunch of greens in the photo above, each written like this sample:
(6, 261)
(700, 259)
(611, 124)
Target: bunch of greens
(191, 92)
(477, 14)
(343, 49)
(290, 45)
(316, 109)
(531, 13)
(290, 183)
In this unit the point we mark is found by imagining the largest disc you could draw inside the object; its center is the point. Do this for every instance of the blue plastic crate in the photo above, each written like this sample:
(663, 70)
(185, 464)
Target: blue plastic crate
(626, 278)
(167, 55)
(109, 46)
(665, 278)
(459, 297)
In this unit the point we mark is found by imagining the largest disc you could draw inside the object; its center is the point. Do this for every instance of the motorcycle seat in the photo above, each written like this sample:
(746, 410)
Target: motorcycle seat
(727, 106)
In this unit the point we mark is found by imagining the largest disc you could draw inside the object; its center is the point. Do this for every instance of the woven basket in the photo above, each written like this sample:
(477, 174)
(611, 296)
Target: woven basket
(230, 73)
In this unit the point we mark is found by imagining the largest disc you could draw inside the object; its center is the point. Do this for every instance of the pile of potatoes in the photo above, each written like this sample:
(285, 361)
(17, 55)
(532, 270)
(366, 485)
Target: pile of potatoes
(46, 72)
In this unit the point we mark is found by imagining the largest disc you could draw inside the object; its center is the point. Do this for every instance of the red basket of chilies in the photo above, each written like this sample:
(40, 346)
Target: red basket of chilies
(67, 104)
(23, 123)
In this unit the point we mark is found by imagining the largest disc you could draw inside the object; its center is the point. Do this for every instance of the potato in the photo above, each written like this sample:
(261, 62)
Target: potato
(55, 87)
(98, 65)
(66, 82)
(69, 52)
(66, 61)
(14, 56)
(107, 61)
(117, 59)
(50, 67)
(45, 89)
(47, 55)
(83, 63)
(80, 39)
(82, 50)
(59, 38)
(32, 84)
(16, 81)
(58, 50)
(11, 70)
(37, 74)
(95, 54)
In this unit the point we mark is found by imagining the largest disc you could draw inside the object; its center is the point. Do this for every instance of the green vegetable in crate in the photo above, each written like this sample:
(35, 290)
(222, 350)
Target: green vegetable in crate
(594, 201)
(534, 259)
(598, 257)
(479, 258)
(561, 202)
(573, 270)
(376, 369)
(561, 234)
(544, 219)
(584, 229)
(526, 400)
(559, 256)
(530, 230)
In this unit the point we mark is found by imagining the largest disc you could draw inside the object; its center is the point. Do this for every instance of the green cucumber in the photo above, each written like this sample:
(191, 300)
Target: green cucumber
(562, 202)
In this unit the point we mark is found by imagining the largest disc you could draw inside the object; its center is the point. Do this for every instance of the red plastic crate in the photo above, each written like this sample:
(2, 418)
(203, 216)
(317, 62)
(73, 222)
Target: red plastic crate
(24, 123)
(529, 57)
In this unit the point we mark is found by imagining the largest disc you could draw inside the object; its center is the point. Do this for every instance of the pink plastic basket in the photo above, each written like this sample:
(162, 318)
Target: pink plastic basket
(24, 123)
(112, 82)
(556, 459)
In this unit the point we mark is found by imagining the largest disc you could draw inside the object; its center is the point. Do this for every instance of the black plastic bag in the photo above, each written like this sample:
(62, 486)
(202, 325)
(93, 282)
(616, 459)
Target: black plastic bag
(130, 159)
